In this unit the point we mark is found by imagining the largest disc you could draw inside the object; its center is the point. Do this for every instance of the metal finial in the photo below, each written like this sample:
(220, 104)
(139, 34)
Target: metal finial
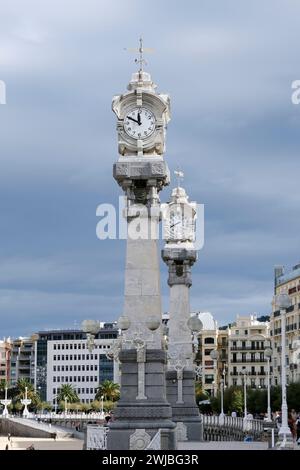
(179, 175)
(141, 50)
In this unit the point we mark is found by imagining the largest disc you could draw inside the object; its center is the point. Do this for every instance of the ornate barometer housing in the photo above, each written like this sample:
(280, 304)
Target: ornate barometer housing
(179, 218)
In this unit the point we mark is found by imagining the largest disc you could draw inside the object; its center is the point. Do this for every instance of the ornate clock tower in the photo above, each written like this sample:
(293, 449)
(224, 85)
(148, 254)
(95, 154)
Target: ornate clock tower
(180, 254)
(143, 409)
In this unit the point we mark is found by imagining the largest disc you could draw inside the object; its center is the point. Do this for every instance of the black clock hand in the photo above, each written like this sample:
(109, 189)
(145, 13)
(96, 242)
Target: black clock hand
(175, 224)
(134, 120)
(139, 119)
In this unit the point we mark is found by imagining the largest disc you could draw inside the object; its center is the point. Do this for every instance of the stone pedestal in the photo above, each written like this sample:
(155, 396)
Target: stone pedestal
(138, 420)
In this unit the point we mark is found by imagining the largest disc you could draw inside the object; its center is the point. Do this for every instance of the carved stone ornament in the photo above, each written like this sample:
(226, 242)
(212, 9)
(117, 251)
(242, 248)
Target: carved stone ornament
(139, 440)
(181, 431)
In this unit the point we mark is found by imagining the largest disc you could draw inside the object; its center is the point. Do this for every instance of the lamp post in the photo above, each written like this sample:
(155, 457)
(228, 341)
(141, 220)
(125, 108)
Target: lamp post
(102, 406)
(244, 372)
(214, 355)
(268, 355)
(5, 402)
(66, 406)
(283, 301)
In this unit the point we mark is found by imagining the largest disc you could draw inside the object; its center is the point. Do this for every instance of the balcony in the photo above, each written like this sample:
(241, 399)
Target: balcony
(243, 361)
(247, 348)
(276, 313)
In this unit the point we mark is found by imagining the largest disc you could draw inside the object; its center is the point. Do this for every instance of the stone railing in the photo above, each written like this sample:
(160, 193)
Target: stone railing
(216, 428)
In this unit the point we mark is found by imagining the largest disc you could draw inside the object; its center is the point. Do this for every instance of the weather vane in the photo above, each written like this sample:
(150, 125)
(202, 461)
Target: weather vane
(141, 50)
(179, 175)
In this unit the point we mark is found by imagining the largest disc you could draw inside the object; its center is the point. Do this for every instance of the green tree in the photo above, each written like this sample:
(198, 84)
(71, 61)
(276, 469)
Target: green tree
(109, 390)
(32, 395)
(69, 393)
(237, 403)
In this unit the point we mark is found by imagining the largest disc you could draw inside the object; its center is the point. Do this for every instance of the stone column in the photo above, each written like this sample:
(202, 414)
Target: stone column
(180, 374)
(143, 408)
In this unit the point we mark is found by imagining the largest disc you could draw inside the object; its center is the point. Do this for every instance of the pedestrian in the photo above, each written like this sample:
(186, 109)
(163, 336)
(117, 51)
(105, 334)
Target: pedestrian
(6, 447)
(298, 429)
(8, 436)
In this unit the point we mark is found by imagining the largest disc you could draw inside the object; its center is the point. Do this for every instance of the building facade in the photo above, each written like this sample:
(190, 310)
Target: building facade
(247, 340)
(22, 360)
(5, 352)
(289, 283)
(207, 342)
(63, 357)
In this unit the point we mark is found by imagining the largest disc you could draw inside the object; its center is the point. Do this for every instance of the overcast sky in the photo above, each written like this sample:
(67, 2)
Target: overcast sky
(228, 66)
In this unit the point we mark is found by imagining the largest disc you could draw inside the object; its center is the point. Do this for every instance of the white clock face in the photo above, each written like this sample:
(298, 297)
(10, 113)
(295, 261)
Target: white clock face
(139, 123)
(180, 227)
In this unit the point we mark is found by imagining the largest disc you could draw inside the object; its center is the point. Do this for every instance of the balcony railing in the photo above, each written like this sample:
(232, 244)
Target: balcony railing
(238, 361)
(247, 348)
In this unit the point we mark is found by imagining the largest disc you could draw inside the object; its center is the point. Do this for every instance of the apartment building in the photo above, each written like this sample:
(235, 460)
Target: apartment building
(5, 351)
(207, 342)
(22, 360)
(247, 340)
(286, 282)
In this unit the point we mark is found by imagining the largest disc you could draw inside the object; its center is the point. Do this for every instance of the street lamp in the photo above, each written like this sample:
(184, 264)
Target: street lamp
(66, 405)
(102, 406)
(283, 301)
(268, 355)
(214, 356)
(244, 372)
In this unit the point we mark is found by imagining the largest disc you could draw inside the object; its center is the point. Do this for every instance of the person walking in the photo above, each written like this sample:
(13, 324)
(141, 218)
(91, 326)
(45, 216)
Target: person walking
(298, 429)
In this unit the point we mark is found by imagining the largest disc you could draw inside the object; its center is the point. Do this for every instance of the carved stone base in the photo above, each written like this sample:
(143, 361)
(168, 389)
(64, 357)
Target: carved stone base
(187, 412)
(148, 415)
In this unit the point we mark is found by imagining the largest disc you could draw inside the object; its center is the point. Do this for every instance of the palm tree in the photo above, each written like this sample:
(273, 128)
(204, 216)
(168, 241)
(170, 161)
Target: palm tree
(32, 395)
(69, 393)
(109, 390)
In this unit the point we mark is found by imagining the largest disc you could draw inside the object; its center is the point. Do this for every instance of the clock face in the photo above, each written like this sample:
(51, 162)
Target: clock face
(180, 227)
(139, 123)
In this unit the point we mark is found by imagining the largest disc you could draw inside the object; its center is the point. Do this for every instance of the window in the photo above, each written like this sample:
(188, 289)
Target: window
(67, 368)
(71, 357)
(54, 368)
(95, 367)
(54, 379)
(209, 379)
(79, 367)
(82, 390)
(62, 368)
(246, 332)
(207, 351)
(87, 378)
(58, 368)
(67, 346)
(58, 346)
(92, 367)
(54, 346)
(54, 391)
(58, 379)
(96, 357)
(92, 356)
(71, 346)
(209, 340)
(86, 390)
(79, 357)
(62, 346)
(91, 390)
(71, 368)
(87, 357)
(62, 357)
(83, 357)
(75, 346)
(78, 379)
(54, 357)
(95, 378)
(236, 332)
(83, 367)
(87, 367)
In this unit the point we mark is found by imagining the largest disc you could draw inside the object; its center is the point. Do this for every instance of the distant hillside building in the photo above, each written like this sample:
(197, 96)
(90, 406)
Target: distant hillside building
(5, 352)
